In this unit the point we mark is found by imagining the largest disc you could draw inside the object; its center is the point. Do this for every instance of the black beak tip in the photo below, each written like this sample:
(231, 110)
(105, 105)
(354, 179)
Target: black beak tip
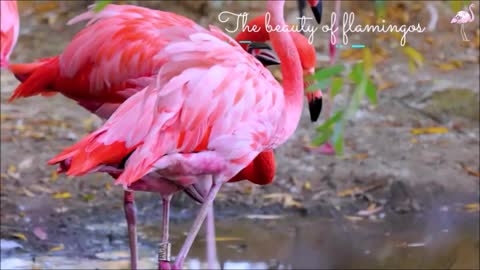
(315, 108)
(264, 53)
(317, 12)
(267, 61)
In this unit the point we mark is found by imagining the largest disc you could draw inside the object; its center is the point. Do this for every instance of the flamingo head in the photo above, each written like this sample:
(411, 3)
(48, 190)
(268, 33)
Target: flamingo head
(264, 53)
(455, 19)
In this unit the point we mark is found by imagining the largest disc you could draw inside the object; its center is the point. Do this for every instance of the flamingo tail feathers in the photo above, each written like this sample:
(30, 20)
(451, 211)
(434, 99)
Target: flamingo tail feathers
(36, 77)
(89, 153)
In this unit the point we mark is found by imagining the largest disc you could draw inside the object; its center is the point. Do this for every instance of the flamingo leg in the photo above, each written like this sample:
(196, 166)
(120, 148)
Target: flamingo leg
(461, 32)
(196, 226)
(164, 247)
(212, 260)
(464, 33)
(130, 215)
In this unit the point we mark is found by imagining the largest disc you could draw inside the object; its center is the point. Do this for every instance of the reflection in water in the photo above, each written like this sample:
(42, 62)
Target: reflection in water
(60, 262)
(417, 241)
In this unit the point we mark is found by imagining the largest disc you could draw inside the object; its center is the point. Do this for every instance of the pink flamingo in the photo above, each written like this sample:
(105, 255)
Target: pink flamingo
(9, 25)
(233, 120)
(47, 69)
(97, 99)
(462, 17)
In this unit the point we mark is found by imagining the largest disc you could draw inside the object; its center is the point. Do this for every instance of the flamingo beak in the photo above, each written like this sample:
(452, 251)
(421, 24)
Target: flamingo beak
(314, 97)
(264, 53)
(317, 11)
(315, 108)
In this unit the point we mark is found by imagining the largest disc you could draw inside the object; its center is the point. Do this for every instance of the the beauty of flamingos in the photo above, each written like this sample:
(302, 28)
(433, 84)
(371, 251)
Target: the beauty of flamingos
(9, 26)
(233, 120)
(462, 17)
(25, 71)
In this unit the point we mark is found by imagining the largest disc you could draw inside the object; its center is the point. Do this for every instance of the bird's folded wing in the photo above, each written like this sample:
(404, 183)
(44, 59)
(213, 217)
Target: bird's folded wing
(119, 42)
(208, 95)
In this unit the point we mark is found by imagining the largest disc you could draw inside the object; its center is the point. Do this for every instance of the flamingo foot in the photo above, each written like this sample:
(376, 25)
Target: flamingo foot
(130, 215)
(163, 265)
(177, 266)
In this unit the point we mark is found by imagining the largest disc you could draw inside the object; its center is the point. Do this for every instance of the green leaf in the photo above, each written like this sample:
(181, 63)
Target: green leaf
(371, 92)
(329, 122)
(357, 73)
(321, 84)
(327, 134)
(337, 86)
(101, 4)
(327, 72)
(338, 137)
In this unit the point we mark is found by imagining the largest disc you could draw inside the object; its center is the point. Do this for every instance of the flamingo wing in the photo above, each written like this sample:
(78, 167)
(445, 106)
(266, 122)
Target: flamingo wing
(110, 59)
(209, 96)
(116, 50)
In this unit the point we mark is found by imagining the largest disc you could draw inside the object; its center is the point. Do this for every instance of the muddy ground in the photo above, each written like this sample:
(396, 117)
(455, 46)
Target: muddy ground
(385, 166)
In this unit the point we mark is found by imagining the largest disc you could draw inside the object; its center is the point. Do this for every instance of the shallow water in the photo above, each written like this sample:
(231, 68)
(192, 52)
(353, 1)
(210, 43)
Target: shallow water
(441, 239)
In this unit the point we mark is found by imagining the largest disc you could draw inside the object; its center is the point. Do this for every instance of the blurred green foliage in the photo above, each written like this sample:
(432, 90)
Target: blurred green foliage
(336, 77)
(457, 5)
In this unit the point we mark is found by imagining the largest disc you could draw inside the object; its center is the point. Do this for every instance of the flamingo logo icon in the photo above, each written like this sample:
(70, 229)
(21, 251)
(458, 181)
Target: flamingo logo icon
(462, 17)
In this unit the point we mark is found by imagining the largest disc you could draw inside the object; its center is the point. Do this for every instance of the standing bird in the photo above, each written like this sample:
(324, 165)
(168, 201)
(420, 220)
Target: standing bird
(196, 124)
(49, 69)
(9, 25)
(462, 17)
(92, 77)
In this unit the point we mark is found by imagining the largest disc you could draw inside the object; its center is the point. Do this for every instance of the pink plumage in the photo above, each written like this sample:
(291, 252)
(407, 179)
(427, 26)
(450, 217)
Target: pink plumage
(106, 62)
(464, 16)
(9, 25)
(193, 105)
(210, 110)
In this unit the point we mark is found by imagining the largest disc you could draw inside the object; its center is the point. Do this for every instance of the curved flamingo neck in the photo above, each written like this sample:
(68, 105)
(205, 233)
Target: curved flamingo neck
(472, 15)
(291, 68)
